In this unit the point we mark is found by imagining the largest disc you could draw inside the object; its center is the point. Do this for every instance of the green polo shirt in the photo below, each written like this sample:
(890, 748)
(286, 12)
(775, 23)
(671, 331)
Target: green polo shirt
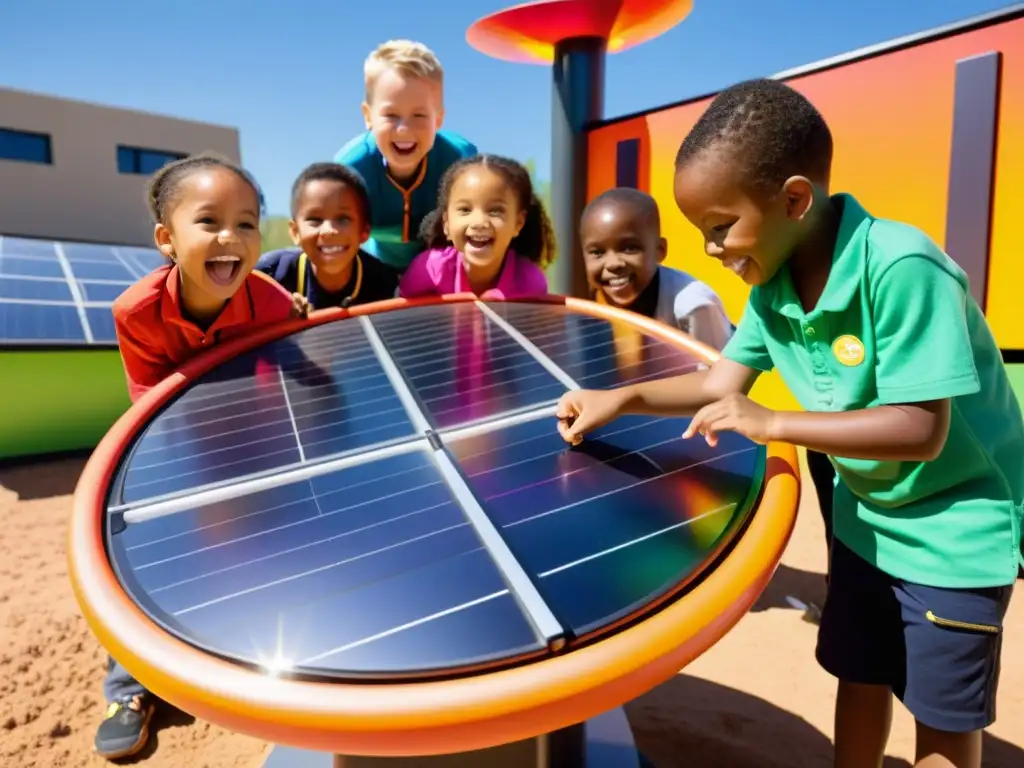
(896, 324)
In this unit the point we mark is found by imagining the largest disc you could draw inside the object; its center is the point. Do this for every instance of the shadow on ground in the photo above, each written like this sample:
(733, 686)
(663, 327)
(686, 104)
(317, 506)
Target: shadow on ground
(693, 723)
(43, 478)
(165, 717)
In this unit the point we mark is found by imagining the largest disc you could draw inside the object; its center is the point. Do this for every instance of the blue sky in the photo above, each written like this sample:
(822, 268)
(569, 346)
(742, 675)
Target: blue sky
(289, 75)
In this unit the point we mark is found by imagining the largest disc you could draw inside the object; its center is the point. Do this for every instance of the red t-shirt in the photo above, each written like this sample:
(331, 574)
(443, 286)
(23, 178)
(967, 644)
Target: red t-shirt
(155, 339)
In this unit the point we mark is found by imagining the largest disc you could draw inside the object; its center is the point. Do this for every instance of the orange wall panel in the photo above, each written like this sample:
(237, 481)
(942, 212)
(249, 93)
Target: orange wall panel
(601, 149)
(892, 119)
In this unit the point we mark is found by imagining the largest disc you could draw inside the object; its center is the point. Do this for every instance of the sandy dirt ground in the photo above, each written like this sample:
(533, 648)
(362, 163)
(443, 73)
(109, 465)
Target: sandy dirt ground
(756, 699)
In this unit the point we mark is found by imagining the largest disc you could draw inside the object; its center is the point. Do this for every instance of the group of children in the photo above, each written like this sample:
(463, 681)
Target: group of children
(869, 323)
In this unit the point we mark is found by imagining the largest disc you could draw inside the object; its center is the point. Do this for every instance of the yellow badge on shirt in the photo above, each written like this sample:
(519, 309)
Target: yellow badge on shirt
(849, 350)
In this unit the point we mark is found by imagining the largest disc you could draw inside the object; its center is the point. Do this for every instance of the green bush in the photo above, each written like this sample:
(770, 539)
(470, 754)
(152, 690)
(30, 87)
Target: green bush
(274, 233)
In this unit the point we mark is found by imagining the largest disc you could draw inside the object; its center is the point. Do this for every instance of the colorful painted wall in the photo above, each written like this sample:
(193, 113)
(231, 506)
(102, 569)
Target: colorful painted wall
(892, 118)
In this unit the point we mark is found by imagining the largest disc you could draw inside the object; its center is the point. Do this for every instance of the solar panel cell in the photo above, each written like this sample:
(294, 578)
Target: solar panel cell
(102, 292)
(633, 511)
(101, 323)
(340, 397)
(320, 568)
(34, 290)
(40, 323)
(88, 276)
(596, 353)
(143, 260)
(287, 504)
(462, 367)
(14, 266)
(15, 246)
(322, 388)
(97, 270)
(89, 252)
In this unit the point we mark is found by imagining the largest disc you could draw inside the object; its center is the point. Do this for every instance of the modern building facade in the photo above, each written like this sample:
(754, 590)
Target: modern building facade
(71, 170)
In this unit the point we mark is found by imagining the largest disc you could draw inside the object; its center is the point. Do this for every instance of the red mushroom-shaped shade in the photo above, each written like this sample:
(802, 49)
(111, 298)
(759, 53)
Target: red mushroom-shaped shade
(528, 33)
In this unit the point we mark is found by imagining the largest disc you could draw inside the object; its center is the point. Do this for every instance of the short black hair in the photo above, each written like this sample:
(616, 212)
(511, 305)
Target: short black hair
(165, 184)
(639, 202)
(343, 174)
(535, 241)
(771, 129)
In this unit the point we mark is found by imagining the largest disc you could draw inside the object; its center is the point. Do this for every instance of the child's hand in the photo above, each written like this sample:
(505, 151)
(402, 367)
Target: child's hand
(584, 410)
(300, 306)
(735, 413)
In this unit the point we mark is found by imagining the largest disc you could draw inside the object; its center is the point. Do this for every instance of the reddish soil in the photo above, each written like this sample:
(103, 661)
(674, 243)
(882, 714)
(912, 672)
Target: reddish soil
(756, 699)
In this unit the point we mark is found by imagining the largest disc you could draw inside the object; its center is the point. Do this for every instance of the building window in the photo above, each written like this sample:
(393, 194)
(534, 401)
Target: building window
(25, 146)
(144, 161)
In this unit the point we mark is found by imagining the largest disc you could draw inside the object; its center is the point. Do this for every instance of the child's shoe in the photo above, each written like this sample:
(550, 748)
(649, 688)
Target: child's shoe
(125, 729)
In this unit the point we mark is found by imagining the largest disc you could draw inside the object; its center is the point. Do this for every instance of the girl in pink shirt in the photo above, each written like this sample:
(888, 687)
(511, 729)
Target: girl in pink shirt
(489, 235)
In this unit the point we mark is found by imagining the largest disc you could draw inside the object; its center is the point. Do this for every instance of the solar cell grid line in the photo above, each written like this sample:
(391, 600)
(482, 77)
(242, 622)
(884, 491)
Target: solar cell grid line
(323, 384)
(136, 273)
(526, 593)
(29, 322)
(204, 451)
(144, 260)
(341, 397)
(396, 379)
(609, 527)
(597, 353)
(76, 294)
(378, 557)
(181, 501)
(461, 366)
(529, 346)
(24, 246)
(291, 414)
(12, 265)
(34, 289)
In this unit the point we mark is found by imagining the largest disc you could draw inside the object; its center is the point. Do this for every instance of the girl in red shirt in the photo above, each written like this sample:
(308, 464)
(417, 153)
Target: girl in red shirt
(207, 213)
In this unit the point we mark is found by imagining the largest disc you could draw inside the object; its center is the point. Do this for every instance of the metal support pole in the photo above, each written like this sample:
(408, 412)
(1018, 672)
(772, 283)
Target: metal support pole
(577, 99)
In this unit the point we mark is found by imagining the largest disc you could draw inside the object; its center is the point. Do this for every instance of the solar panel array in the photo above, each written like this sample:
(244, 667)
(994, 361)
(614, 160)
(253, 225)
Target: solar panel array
(387, 496)
(55, 292)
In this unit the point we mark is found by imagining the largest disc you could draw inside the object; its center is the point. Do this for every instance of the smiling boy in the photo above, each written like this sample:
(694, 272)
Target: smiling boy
(623, 251)
(330, 222)
(403, 153)
(873, 328)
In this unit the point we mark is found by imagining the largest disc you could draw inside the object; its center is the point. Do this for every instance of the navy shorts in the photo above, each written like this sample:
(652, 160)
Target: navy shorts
(938, 649)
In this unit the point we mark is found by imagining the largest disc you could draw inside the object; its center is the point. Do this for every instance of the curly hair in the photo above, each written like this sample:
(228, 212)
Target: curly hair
(773, 131)
(535, 241)
(165, 185)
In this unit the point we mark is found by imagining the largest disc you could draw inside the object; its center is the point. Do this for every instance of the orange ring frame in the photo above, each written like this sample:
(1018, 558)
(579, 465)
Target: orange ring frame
(423, 718)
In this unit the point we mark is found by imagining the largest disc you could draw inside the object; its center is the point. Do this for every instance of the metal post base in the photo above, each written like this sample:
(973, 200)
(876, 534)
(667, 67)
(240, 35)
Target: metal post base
(604, 742)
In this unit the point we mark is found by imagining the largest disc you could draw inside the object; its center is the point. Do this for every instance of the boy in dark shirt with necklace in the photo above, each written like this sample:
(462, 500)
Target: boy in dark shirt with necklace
(330, 222)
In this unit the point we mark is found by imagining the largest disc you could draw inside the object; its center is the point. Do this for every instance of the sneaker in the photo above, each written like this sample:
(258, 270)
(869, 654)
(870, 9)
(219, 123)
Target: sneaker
(125, 729)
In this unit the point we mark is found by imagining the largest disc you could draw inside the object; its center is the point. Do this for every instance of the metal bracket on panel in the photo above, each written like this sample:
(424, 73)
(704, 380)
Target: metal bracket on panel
(434, 439)
(116, 523)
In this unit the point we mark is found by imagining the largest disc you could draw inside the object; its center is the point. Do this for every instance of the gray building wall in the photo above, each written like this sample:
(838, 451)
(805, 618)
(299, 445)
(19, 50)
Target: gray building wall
(82, 195)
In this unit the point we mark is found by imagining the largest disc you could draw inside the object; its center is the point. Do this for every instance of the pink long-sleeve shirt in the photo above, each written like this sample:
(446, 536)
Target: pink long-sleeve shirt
(439, 271)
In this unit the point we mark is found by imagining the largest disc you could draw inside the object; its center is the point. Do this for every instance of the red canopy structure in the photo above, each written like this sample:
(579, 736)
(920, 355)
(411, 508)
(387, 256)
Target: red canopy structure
(573, 36)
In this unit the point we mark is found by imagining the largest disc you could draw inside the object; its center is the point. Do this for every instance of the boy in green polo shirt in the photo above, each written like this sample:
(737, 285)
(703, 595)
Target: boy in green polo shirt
(874, 330)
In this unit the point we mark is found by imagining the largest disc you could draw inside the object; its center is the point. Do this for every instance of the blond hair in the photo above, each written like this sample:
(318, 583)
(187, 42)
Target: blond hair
(408, 57)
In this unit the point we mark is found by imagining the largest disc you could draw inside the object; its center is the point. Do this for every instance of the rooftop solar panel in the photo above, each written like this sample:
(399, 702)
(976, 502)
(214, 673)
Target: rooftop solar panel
(56, 293)
(386, 496)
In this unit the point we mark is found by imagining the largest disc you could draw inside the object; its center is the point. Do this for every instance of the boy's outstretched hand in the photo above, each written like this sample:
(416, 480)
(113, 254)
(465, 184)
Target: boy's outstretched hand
(584, 410)
(734, 413)
(300, 306)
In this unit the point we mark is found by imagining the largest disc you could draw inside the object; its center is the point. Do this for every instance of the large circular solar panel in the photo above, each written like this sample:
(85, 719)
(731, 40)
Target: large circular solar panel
(385, 498)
